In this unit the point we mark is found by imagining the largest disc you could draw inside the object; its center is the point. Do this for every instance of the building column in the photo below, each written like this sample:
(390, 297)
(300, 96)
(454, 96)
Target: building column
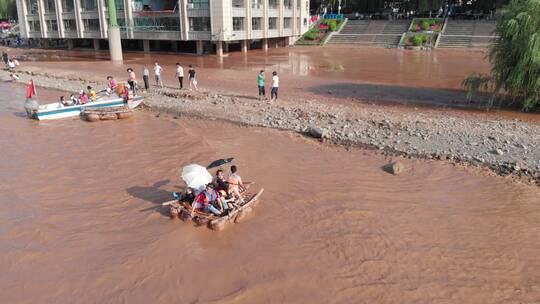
(146, 46)
(244, 46)
(200, 47)
(41, 15)
(265, 44)
(59, 19)
(96, 44)
(219, 49)
(70, 44)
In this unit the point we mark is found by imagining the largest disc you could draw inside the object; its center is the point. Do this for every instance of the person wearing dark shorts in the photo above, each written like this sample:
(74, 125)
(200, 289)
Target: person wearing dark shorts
(260, 81)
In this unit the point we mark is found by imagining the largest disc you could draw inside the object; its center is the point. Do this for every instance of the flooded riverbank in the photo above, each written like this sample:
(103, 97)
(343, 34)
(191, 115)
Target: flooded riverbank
(80, 221)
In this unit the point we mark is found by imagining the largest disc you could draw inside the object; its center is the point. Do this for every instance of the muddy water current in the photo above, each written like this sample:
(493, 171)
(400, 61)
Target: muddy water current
(80, 220)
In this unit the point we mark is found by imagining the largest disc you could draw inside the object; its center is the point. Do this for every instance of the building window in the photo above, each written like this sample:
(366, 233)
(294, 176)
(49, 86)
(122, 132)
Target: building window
(238, 24)
(287, 4)
(256, 24)
(197, 3)
(198, 24)
(67, 6)
(48, 6)
(88, 5)
(91, 25)
(32, 6)
(273, 4)
(272, 23)
(151, 24)
(34, 26)
(52, 25)
(70, 25)
(298, 4)
(298, 24)
(287, 23)
(238, 3)
(256, 4)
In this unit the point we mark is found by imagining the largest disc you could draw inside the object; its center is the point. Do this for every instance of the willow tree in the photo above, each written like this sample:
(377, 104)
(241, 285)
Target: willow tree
(8, 9)
(514, 56)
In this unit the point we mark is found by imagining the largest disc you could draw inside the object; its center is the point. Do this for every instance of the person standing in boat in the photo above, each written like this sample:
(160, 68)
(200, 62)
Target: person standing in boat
(235, 183)
(146, 74)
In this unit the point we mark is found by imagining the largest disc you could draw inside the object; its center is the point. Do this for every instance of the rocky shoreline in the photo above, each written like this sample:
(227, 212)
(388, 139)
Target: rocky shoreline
(508, 147)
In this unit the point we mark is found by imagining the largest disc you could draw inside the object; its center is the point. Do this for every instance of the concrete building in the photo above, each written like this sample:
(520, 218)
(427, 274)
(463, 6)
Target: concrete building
(176, 25)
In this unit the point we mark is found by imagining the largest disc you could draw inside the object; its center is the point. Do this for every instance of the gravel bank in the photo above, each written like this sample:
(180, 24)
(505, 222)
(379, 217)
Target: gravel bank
(507, 147)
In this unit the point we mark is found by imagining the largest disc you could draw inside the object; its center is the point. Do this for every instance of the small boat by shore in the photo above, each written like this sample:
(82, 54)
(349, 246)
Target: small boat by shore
(108, 113)
(56, 110)
(182, 210)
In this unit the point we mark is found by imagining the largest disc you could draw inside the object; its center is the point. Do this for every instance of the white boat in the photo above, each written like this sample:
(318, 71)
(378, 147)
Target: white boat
(56, 110)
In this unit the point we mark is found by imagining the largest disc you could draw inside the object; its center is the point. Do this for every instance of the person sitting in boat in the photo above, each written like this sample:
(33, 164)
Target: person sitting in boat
(91, 93)
(220, 183)
(235, 183)
(209, 201)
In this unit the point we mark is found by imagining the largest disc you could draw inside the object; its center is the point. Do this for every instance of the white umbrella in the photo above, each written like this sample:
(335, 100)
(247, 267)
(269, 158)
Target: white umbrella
(196, 176)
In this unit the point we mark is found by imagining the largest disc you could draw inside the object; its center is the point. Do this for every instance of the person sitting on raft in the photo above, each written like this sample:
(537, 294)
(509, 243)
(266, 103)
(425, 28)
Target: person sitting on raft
(235, 183)
(219, 181)
(111, 84)
(83, 98)
(206, 200)
(186, 197)
(64, 102)
(91, 93)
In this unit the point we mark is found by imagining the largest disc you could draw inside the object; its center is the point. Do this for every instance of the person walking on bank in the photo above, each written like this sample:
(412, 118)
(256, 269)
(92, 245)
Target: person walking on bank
(260, 81)
(146, 75)
(192, 79)
(157, 72)
(180, 75)
(132, 79)
(275, 86)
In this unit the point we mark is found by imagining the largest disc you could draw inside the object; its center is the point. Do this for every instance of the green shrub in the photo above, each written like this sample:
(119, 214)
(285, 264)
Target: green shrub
(425, 25)
(312, 35)
(332, 25)
(417, 40)
(432, 21)
(424, 38)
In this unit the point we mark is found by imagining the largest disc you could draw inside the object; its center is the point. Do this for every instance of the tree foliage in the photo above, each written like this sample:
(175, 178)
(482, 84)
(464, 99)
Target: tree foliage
(515, 54)
(8, 9)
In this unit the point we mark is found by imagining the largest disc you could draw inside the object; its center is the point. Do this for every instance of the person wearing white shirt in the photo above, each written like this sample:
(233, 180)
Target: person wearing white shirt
(180, 75)
(275, 86)
(157, 72)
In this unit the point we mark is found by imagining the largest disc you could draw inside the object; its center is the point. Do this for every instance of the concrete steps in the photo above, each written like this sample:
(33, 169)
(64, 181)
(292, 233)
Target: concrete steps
(467, 34)
(379, 33)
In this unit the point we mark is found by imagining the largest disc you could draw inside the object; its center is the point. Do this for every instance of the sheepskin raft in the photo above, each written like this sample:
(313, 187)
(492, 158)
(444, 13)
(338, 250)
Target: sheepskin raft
(95, 114)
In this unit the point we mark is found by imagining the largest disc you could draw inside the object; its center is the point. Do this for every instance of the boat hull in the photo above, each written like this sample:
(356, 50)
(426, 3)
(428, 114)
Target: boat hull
(56, 111)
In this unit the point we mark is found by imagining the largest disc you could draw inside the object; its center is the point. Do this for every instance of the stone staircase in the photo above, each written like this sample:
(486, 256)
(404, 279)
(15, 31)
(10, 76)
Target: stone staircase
(378, 33)
(466, 34)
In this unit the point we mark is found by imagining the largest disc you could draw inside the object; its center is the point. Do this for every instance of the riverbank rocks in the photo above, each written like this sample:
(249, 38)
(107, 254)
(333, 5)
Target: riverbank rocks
(394, 168)
(317, 132)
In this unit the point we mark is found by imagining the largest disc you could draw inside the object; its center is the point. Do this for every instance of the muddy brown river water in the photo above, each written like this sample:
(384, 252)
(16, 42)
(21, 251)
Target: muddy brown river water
(80, 220)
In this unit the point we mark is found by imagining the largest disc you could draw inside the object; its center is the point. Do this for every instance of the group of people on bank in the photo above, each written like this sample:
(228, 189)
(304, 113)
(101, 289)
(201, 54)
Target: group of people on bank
(219, 196)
